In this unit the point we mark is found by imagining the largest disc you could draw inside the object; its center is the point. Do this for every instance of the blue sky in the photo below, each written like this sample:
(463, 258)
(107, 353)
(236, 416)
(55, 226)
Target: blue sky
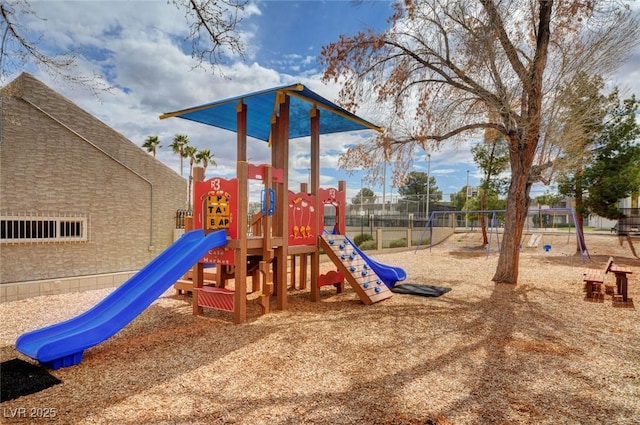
(139, 48)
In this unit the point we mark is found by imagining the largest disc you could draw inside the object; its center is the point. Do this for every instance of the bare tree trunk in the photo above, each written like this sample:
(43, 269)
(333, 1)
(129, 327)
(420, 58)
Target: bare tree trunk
(523, 142)
(522, 149)
(485, 188)
(581, 245)
(483, 224)
(517, 205)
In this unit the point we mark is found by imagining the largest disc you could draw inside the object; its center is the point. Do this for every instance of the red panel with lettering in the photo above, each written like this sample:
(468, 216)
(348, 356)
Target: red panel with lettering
(216, 207)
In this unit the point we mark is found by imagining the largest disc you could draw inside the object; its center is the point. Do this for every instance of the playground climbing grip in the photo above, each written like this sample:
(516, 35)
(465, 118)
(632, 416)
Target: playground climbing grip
(364, 281)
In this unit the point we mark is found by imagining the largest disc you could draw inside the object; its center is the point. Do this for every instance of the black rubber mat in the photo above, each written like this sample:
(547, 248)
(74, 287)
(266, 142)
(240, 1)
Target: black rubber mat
(20, 378)
(420, 290)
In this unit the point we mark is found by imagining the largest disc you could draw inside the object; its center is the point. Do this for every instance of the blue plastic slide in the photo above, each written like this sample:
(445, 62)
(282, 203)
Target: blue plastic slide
(389, 275)
(63, 344)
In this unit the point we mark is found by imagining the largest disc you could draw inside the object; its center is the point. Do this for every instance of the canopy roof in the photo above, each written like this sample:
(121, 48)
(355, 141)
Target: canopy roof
(261, 106)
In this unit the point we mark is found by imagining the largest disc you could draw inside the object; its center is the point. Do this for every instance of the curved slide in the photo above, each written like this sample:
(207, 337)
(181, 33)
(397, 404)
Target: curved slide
(63, 344)
(389, 275)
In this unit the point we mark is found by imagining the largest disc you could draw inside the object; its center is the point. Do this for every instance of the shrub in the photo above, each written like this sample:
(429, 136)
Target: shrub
(368, 245)
(424, 242)
(362, 237)
(398, 243)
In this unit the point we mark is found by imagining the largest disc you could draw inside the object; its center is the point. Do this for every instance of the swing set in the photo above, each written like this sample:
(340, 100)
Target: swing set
(449, 219)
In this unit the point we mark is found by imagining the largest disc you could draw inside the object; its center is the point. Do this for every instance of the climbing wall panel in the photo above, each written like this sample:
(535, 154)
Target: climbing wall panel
(364, 281)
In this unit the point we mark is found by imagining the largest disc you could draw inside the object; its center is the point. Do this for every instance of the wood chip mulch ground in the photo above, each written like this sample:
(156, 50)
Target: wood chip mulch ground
(532, 353)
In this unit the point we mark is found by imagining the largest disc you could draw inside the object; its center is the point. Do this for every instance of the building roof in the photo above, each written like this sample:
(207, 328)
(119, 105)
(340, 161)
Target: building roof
(262, 107)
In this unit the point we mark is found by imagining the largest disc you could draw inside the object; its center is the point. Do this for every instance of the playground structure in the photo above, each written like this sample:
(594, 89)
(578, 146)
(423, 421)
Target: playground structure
(218, 209)
(449, 219)
(289, 225)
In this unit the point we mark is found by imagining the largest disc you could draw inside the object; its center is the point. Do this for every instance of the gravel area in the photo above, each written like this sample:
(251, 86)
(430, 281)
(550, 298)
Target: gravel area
(533, 353)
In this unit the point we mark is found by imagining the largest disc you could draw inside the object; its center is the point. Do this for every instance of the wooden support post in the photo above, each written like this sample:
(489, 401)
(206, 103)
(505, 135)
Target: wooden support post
(267, 220)
(315, 186)
(267, 246)
(267, 288)
(197, 274)
(280, 159)
(221, 277)
(198, 282)
(276, 225)
(257, 280)
(292, 284)
(240, 294)
(303, 271)
(188, 226)
(341, 214)
(341, 225)
(276, 162)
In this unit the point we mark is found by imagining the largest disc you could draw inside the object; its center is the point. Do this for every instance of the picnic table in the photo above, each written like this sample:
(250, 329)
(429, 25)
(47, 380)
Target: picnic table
(594, 279)
(622, 282)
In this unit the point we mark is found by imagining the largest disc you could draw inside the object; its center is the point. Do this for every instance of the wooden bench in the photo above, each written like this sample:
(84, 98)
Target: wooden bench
(594, 279)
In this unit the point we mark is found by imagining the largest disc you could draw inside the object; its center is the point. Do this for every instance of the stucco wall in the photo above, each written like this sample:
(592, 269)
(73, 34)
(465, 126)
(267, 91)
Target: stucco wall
(56, 158)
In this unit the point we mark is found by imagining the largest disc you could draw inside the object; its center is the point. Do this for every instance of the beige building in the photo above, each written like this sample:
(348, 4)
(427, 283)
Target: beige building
(81, 206)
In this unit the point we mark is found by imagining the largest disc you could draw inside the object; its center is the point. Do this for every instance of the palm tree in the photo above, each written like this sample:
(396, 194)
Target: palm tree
(190, 152)
(180, 141)
(205, 157)
(152, 144)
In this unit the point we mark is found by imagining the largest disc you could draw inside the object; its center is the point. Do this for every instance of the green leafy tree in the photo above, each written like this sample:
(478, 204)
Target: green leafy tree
(364, 196)
(152, 144)
(489, 200)
(465, 200)
(607, 169)
(492, 201)
(582, 112)
(493, 159)
(615, 172)
(414, 191)
(180, 141)
(544, 219)
(459, 199)
(550, 199)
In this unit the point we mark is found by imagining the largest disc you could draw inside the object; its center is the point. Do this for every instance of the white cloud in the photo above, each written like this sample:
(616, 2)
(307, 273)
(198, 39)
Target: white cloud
(140, 48)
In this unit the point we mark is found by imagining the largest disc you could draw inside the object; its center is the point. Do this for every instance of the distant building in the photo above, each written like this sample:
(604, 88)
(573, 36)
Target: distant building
(81, 206)
(629, 224)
